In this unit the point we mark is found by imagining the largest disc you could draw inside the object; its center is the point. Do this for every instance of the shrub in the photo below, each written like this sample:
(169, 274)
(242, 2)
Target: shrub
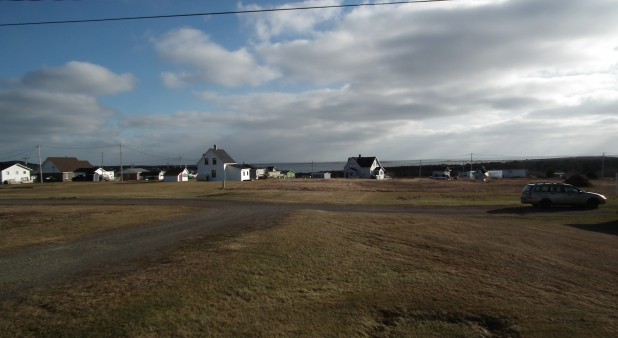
(578, 181)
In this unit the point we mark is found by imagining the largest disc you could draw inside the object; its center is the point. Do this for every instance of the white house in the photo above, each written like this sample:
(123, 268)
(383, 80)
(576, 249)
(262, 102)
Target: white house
(104, 174)
(363, 167)
(176, 175)
(15, 173)
(217, 165)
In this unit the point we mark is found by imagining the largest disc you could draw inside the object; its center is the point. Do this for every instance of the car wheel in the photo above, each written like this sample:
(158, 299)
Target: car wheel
(545, 203)
(593, 203)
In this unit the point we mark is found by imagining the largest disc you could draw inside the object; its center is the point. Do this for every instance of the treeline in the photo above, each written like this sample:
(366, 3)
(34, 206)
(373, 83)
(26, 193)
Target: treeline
(591, 167)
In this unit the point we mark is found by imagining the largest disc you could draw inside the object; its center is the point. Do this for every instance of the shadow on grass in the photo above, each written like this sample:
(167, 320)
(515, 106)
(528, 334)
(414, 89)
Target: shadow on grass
(610, 228)
(522, 210)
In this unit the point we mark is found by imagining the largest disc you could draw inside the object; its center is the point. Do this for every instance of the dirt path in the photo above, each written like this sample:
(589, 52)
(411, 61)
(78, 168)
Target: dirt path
(123, 249)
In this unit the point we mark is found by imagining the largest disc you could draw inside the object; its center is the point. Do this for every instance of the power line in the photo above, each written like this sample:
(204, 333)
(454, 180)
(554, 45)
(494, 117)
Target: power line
(217, 13)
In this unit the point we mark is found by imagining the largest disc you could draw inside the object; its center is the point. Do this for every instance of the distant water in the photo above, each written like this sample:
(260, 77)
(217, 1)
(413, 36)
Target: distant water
(308, 167)
(305, 167)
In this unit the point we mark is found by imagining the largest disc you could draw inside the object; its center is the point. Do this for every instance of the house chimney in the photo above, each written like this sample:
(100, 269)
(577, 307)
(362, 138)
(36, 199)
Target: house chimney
(215, 147)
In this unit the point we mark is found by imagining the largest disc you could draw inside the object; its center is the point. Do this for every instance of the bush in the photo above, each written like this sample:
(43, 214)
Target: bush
(578, 181)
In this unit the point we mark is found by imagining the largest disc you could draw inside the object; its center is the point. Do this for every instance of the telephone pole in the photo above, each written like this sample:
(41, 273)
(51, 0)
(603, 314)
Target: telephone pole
(420, 168)
(40, 166)
(471, 162)
(121, 173)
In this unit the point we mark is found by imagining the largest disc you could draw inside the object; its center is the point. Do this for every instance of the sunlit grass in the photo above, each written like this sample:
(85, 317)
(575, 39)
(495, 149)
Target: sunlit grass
(323, 273)
(24, 226)
(353, 274)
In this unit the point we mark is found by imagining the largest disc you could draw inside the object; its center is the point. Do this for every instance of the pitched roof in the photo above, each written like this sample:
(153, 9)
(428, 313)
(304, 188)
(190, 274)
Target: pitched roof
(365, 162)
(9, 164)
(134, 170)
(222, 155)
(241, 166)
(68, 164)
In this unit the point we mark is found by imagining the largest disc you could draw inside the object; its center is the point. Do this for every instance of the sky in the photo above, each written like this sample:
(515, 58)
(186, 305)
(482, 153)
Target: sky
(430, 80)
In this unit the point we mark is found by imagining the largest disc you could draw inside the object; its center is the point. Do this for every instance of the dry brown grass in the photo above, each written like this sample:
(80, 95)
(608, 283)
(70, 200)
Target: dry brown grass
(25, 226)
(335, 191)
(360, 274)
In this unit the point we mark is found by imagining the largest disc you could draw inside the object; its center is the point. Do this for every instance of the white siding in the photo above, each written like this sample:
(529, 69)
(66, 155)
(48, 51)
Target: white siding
(205, 170)
(16, 174)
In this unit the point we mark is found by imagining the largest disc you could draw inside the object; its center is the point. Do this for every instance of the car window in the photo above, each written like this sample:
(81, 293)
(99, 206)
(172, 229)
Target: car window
(572, 190)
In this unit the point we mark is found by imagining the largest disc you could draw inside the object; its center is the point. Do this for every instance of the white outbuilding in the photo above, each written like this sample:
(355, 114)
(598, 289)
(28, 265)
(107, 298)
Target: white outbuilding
(15, 174)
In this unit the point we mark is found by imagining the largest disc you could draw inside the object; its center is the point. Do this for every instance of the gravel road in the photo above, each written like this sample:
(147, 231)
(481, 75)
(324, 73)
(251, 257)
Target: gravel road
(121, 248)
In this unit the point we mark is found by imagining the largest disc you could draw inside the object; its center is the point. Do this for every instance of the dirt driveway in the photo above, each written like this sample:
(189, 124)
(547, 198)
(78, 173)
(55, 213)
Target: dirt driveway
(125, 249)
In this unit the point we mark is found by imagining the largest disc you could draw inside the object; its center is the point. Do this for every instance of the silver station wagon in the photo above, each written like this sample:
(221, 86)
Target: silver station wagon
(547, 194)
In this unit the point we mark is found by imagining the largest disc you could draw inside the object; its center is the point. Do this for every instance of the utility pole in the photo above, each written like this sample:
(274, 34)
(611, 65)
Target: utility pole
(121, 173)
(603, 166)
(26, 160)
(40, 166)
(471, 170)
(420, 168)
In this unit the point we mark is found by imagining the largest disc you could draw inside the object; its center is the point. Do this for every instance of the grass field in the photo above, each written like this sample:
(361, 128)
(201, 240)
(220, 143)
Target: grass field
(495, 273)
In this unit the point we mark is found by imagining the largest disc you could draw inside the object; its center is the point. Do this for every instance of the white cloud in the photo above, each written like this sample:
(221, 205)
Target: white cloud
(512, 77)
(79, 77)
(401, 82)
(60, 105)
(266, 26)
(208, 62)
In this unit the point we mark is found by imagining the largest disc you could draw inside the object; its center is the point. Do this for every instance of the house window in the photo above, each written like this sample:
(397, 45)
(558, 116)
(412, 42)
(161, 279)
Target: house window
(206, 160)
(213, 174)
(214, 161)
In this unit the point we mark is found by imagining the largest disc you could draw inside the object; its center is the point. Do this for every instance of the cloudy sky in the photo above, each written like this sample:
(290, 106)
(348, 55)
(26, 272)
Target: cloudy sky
(440, 80)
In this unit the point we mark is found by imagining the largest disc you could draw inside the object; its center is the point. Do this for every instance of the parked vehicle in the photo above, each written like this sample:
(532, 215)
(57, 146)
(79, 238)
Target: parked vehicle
(547, 194)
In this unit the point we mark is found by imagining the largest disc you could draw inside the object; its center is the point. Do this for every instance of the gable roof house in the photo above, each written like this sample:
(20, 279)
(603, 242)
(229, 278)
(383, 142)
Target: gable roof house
(176, 175)
(63, 168)
(15, 173)
(217, 165)
(363, 167)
